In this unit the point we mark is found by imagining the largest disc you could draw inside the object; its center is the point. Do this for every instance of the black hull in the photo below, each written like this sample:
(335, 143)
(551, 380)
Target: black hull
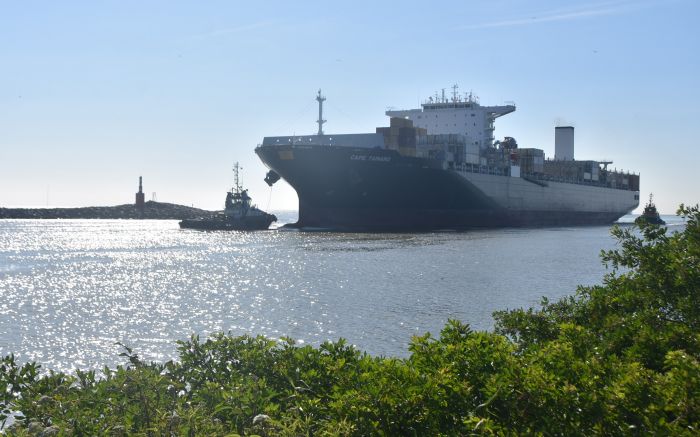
(350, 189)
(247, 224)
(652, 220)
(398, 220)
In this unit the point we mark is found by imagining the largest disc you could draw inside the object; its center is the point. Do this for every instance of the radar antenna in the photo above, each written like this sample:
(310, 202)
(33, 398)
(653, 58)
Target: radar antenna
(455, 97)
(320, 99)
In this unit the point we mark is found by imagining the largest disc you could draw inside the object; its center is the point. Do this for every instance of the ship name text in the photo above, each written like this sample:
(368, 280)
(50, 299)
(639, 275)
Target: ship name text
(370, 158)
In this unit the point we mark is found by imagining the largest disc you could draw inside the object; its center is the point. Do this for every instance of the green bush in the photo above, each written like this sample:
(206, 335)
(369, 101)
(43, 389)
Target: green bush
(617, 359)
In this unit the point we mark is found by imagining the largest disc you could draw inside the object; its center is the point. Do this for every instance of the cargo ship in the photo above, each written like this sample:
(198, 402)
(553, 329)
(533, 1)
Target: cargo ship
(438, 168)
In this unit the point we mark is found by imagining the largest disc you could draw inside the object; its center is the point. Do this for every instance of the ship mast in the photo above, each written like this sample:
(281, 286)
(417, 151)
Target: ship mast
(320, 99)
(236, 185)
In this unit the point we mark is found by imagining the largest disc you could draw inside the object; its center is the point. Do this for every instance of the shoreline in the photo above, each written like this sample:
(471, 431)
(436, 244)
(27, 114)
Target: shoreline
(151, 210)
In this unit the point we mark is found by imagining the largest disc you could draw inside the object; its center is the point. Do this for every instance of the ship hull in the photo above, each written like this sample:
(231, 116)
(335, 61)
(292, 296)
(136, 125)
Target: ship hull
(375, 189)
(397, 220)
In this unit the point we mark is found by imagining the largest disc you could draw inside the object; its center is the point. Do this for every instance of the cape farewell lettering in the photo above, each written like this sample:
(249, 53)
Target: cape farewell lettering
(370, 158)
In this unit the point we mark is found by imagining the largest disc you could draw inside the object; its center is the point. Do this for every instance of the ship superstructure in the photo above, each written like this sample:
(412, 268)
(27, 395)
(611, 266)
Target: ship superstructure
(458, 115)
(438, 167)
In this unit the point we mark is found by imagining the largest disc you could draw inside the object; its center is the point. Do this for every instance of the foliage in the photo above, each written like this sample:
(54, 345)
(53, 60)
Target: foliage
(620, 358)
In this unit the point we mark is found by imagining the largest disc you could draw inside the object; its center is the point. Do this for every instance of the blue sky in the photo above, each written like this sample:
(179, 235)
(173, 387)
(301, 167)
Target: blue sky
(94, 94)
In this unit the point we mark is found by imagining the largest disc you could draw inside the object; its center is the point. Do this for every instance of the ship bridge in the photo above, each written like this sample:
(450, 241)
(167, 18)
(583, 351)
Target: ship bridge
(496, 111)
(462, 115)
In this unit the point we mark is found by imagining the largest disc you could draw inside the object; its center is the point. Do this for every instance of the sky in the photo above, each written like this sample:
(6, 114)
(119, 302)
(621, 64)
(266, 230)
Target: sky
(95, 94)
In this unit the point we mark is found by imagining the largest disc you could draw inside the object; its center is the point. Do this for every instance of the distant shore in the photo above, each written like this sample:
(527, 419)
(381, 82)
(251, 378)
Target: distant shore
(151, 210)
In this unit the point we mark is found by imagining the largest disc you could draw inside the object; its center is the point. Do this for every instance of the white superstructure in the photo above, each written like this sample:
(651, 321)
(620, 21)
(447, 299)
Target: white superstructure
(460, 115)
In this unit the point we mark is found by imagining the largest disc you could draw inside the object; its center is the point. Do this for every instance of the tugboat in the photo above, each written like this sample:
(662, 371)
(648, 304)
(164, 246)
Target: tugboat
(650, 214)
(238, 214)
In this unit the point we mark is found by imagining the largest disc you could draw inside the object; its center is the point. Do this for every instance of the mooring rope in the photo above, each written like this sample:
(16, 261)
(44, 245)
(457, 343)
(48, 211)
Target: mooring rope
(269, 198)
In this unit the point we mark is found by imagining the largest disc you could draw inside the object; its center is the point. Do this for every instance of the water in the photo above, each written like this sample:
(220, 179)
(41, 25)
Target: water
(70, 289)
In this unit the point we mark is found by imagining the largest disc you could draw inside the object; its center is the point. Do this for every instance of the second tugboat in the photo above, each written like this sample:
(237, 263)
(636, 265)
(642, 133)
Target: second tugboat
(650, 214)
(238, 215)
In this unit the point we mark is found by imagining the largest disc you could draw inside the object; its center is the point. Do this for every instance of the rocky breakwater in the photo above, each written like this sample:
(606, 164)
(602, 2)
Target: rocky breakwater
(151, 210)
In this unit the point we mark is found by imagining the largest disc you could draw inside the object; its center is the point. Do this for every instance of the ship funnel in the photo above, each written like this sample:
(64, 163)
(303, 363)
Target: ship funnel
(564, 143)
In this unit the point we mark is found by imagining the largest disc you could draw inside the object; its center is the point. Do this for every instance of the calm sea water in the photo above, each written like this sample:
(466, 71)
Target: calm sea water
(70, 289)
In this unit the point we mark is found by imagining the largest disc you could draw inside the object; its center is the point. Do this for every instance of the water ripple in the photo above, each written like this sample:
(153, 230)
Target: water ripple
(71, 289)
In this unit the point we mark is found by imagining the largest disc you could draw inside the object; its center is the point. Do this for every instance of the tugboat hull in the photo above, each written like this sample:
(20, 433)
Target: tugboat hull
(256, 223)
(652, 220)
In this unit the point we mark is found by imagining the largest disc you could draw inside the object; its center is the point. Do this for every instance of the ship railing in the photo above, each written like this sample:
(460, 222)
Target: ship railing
(483, 169)
(588, 182)
(505, 171)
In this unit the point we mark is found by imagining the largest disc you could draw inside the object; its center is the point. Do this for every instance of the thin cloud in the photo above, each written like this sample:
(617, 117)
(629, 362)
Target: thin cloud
(558, 15)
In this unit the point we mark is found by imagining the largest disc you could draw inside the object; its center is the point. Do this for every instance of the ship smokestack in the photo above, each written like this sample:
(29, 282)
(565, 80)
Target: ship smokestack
(564, 143)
